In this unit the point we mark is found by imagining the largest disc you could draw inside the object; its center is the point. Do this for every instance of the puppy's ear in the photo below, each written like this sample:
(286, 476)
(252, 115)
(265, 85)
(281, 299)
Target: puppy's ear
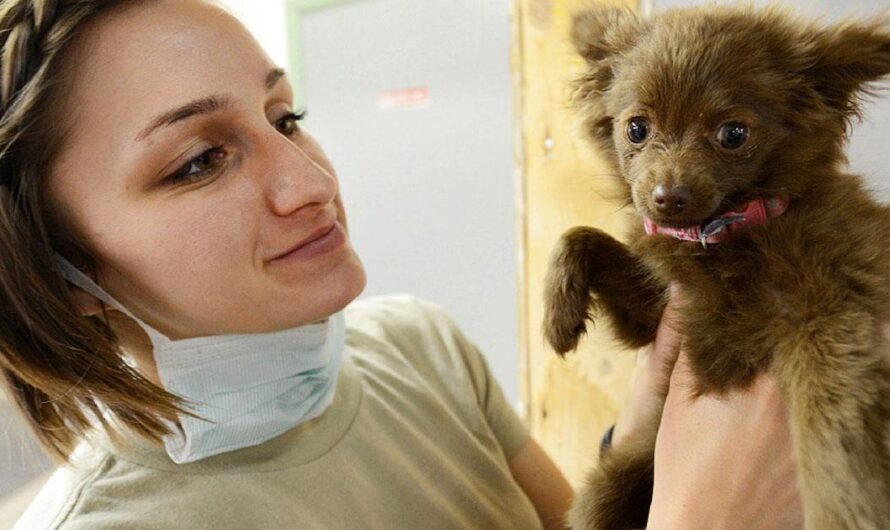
(844, 59)
(602, 35)
(602, 32)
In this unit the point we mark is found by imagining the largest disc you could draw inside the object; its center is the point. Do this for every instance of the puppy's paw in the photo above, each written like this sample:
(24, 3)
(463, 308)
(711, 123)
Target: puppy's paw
(568, 304)
(565, 322)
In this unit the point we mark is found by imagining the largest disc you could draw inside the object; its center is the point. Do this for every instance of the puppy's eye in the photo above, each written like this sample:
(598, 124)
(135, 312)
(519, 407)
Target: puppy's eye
(732, 135)
(638, 130)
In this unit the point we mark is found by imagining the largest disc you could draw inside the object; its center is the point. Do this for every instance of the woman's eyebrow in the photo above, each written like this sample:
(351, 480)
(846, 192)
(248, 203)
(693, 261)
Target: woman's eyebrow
(191, 109)
(273, 77)
(202, 106)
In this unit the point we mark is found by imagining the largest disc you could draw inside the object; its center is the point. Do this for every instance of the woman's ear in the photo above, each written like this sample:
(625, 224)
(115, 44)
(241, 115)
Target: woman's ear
(73, 261)
(87, 304)
(844, 59)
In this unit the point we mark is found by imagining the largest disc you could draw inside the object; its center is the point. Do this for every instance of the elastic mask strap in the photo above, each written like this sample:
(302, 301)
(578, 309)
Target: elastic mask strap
(78, 278)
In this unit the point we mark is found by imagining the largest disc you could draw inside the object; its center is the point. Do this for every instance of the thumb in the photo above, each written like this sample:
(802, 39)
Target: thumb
(668, 339)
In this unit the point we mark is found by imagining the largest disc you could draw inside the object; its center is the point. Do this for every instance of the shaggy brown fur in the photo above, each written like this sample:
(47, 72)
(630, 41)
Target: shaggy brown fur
(802, 297)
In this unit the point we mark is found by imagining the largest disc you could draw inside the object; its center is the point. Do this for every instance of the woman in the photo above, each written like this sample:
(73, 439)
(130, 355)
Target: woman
(175, 269)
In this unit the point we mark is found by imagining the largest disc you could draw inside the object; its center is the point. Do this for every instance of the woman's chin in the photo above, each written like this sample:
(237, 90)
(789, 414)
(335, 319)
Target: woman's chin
(337, 292)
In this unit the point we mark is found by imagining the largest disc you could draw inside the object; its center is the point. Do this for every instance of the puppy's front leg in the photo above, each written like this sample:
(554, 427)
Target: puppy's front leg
(838, 394)
(592, 272)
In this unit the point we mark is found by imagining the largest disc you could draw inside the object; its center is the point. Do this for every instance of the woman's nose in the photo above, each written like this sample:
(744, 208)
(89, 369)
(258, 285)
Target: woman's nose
(294, 180)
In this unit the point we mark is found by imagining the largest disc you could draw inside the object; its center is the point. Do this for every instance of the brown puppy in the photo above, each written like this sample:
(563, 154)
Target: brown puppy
(727, 127)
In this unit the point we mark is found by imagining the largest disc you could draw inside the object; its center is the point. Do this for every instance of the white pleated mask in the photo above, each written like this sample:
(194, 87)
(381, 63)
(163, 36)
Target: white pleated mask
(245, 389)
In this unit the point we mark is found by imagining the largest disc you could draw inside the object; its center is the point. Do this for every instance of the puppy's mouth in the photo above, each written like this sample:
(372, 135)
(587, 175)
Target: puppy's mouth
(695, 217)
(697, 212)
(683, 220)
(677, 205)
(675, 222)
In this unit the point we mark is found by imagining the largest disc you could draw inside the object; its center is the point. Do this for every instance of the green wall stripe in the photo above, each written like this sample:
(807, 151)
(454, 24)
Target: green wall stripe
(295, 11)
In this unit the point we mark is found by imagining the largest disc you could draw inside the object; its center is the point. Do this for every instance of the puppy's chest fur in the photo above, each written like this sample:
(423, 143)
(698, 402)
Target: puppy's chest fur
(817, 273)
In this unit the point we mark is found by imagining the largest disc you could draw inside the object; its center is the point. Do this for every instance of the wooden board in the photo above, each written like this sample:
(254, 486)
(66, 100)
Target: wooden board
(563, 183)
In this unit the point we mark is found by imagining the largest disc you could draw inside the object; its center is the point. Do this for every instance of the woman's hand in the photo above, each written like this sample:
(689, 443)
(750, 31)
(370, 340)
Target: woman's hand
(724, 463)
(651, 377)
(720, 463)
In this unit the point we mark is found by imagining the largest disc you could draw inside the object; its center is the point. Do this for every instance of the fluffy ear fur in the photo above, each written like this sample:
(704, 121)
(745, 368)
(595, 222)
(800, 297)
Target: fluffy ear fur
(601, 32)
(844, 59)
(601, 35)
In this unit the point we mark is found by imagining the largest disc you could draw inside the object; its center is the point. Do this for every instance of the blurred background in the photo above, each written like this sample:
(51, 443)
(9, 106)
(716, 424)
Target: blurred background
(413, 102)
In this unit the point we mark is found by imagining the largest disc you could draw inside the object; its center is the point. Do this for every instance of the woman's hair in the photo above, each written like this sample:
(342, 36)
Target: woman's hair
(65, 371)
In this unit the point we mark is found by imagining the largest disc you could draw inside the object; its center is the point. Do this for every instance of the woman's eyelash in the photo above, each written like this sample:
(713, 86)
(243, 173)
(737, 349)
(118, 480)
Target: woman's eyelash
(210, 161)
(203, 165)
(288, 125)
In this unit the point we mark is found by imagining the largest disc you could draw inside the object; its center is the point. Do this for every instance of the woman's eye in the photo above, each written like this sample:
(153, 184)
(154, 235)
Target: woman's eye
(638, 130)
(732, 135)
(202, 166)
(289, 125)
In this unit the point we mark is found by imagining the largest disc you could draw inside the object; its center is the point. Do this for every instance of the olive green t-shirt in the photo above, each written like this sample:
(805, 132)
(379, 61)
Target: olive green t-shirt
(418, 437)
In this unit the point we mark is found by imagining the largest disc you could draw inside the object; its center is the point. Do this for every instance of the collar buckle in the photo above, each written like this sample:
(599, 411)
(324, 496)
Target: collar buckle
(718, 225)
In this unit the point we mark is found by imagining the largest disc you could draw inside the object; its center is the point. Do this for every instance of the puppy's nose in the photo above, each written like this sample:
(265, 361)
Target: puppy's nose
(671, 200)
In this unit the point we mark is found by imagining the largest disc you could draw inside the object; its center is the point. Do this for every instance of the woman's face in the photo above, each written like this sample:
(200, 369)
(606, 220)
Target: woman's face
(207, 208)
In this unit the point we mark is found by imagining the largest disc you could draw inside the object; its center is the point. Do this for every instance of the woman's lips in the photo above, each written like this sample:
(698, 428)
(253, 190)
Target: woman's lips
(329, 240)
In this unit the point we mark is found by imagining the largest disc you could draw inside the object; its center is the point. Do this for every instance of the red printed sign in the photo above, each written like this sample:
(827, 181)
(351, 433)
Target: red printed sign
(404, 98)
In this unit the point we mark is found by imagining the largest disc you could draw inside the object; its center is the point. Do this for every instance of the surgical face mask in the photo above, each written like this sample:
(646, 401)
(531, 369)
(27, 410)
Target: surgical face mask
(245, 389)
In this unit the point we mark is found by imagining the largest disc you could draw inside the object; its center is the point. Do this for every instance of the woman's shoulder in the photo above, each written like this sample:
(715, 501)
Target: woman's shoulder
(395, 311)
(99, 490)
(60, 496)
(403, 320)
(412, 331)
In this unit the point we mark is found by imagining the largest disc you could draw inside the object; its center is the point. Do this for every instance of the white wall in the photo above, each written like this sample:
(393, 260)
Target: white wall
(266, 20)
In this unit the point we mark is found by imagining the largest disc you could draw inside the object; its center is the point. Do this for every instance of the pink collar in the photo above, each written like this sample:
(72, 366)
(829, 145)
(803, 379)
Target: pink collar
(755, 213)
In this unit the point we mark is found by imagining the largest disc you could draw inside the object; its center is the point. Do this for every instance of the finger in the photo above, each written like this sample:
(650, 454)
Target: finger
(765, 399)
(682, 381)
(669, 337)
(676, 300)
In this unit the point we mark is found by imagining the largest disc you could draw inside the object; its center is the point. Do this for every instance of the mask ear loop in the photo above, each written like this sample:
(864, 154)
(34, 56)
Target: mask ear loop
(81, 280)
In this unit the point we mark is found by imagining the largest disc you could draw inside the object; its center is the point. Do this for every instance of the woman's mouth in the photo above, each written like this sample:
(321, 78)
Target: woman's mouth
(319, 243)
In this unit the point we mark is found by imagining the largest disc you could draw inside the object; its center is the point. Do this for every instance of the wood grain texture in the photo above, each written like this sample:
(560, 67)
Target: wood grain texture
(563, 182)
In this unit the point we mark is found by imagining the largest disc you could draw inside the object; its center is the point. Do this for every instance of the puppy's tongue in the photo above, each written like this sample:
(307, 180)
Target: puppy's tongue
(692, 233)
